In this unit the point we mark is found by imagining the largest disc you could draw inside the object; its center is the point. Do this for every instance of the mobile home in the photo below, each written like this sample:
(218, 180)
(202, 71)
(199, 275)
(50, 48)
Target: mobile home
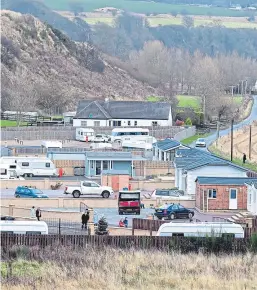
(24, 227)
(30, 166)
(129, 134)
(85, 134)
(201, 230)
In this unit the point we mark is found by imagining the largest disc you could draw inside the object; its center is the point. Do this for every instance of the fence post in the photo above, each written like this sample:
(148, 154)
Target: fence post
(59, 227)
(133, 230)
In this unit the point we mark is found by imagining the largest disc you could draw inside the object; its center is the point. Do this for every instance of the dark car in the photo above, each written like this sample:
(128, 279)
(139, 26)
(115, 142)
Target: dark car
(27, 192)
(7, 218)
(173, 211)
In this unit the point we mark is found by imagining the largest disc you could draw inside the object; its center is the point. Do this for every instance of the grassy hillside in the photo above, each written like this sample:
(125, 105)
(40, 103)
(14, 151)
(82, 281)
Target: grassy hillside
(144, 7)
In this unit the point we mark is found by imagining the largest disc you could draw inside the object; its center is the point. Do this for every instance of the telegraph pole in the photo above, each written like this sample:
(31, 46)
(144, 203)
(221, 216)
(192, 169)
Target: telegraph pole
(250, 143)
(231, 152)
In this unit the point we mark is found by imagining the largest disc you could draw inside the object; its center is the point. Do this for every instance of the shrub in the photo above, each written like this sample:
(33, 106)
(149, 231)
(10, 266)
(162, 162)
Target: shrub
(253, 243)
(188, 122)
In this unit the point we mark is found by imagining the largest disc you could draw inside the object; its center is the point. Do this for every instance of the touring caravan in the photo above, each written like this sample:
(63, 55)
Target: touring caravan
(24, 227)
(30, 166)
(201, 230)
(85, 134)
(129, 134)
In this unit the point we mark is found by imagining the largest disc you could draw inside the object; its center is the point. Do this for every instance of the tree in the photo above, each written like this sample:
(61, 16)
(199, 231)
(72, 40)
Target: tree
(102, 227)
(188, 21)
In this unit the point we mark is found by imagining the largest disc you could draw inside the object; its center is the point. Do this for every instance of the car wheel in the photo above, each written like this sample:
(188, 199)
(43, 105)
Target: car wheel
(172, 216)
(76, 194)
(17, 196)
(106, 194)
(159, 218)
(190, 215)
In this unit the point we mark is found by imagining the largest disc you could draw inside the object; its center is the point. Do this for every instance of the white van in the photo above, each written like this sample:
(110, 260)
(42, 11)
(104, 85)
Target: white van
(129, 134)
(85, 134)
(30, 166)
(24, 227)
(200, 230)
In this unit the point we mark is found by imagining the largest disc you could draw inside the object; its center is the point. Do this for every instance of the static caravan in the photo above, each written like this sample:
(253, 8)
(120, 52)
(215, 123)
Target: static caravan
(85, 134)
(201, 230)
(51, 144)
(30, 166)
(24, 227)
(129, 134)
(7, 172)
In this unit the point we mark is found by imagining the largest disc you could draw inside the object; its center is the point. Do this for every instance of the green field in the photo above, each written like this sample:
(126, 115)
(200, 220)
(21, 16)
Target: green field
(144, 7)
(189, 101)
(8, 123)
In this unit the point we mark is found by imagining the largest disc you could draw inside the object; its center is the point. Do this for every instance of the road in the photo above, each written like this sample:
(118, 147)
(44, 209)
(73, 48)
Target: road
(252, 117)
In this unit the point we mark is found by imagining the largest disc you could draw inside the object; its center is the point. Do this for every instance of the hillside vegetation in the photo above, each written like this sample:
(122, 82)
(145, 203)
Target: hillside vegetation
(43, 67)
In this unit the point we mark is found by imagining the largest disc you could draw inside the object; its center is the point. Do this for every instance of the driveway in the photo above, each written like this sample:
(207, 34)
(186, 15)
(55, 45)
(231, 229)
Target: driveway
(252, 117)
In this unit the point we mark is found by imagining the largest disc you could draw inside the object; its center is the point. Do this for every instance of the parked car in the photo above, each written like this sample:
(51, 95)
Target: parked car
(7, 218)
(27, 192)
(200, 142)
(101, 138)
(166, 193)
(90, 188)
(173, 211)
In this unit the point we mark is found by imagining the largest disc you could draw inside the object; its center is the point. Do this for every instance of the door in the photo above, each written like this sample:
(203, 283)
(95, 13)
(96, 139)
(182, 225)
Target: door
(95, 188)
(233, 198)
(98, 167)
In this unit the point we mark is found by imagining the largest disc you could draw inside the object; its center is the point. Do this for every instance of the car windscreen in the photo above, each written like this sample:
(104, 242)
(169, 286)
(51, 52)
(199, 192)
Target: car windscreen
(201, 140)
(162, 193)
(129, 196)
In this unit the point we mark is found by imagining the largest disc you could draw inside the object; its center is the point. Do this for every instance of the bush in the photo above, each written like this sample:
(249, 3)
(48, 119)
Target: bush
(253, 243)
(188, 122)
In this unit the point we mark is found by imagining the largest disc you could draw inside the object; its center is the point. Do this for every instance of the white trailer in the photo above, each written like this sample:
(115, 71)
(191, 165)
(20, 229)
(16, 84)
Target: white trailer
(24, 227)
(51, 144)
(30, 166)
(85, 134)
(201, 230)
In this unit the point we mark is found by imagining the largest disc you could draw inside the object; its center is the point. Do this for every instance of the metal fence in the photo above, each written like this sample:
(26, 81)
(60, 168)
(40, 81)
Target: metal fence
(68, 133)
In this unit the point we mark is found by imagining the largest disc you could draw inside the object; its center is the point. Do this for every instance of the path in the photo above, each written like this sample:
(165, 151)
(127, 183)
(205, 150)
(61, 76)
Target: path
(253, 116)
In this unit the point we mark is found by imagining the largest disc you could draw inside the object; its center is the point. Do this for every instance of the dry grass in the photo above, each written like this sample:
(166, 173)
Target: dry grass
(111, 269)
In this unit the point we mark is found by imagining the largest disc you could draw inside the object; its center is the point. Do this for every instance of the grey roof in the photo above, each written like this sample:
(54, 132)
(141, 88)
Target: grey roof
(167, 144)
(115, 172)
(190, 159)
(109, 155)
(225, 180)
(99, 109)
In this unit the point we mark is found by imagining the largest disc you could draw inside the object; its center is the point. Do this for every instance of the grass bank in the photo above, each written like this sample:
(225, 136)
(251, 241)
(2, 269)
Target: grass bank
(65, 268)
(192, 139)
(8, 123)
(250, 166)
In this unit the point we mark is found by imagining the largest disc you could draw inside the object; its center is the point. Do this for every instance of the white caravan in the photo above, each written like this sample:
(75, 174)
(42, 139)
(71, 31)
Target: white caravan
(30, 166)
(201, 230)
(51, 144)
(147, 144)
(7, 172)
(129, 134)
(85, 134)
(24, 227)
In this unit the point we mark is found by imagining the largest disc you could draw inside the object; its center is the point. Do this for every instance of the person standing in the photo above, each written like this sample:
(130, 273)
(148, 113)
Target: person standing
(125, 222)
(38, 214)
(33, 212)
(85, 219)
(244, 158)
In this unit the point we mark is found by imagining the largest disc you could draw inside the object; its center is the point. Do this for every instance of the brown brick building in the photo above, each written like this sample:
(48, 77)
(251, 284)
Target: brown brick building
(222, 193)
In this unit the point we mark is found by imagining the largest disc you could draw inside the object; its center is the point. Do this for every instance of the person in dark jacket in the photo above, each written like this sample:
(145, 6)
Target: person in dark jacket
(244, 158)
(85, 219)
(38, 214)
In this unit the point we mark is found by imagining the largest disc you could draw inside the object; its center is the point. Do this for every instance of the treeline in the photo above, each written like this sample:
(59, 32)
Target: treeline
(131, 32)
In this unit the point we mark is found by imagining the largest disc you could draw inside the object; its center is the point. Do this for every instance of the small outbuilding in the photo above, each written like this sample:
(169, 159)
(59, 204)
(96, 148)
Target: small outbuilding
(117, 179)
(222, 193)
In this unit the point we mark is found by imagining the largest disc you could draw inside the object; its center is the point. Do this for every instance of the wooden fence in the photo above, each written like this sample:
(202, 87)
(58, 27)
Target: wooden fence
(11, 241)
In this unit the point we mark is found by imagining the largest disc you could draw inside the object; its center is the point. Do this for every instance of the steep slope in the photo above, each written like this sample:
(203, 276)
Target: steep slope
(44, 65)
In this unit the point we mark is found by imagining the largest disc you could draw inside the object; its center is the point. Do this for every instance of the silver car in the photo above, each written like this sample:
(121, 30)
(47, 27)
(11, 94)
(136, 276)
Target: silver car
(200, 142)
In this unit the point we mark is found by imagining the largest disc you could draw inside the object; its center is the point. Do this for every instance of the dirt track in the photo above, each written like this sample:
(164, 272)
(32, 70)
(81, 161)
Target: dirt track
(241, 143)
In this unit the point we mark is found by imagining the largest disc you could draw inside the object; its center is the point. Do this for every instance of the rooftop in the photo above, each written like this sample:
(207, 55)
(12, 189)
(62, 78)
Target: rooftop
(225, 180)
(99, 109)
(167, 144)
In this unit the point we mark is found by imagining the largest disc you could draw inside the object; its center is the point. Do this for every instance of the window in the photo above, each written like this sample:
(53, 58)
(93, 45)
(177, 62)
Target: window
(83, 123)
(233, 193)
(177, 234)
(212, 193)
(129, 123)
(12, 166)
(33, 233)
(94, 185)
(175, 207)
(25, 164)
(135, 124)
(3, 171)
(97, 123)
(110, 123)
(180, 207)
(111, 164)
(105, 165)
(48, 165)
(92, 164)
(117, 123)
(87, 184)
(154, 123)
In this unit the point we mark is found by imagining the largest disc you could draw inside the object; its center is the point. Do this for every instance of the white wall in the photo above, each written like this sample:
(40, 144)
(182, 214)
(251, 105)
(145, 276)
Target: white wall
(90, 122)
(219, 171)
(252, 199)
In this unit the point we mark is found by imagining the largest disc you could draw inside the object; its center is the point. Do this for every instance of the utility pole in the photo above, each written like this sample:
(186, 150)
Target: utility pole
(245, 87)
(250, 143)
(232, 90)
(231, 136)
(242, 88)
(204, 109)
